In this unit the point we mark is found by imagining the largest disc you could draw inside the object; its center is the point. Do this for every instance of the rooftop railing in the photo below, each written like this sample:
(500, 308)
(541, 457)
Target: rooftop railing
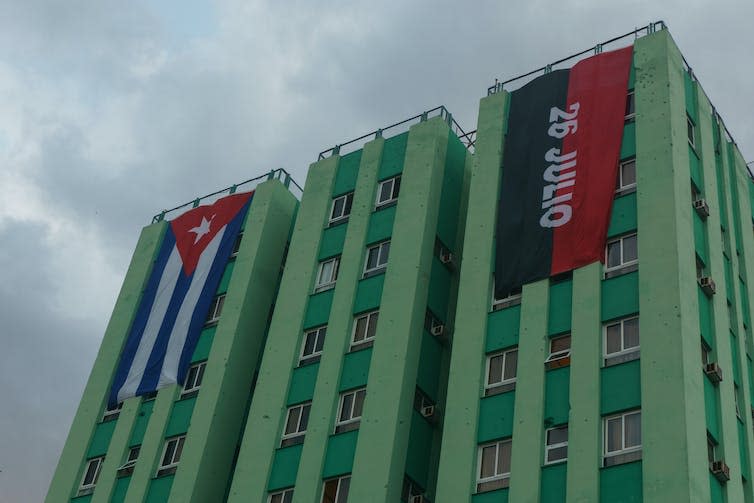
(468, 139)
(275, 174)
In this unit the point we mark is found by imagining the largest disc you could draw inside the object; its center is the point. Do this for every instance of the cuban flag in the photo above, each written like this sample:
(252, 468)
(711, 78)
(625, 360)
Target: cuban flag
(174, 305)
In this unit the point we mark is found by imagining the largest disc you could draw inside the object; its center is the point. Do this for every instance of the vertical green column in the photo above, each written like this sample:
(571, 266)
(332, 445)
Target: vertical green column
(728, 421)
(383, 437)
(458, 455)
(68, 473)
(325, 404)
(152, 445)
(116, 452)
(262, 432)
(528, 415)
(674, 453)
(584, 429)
(221, 403)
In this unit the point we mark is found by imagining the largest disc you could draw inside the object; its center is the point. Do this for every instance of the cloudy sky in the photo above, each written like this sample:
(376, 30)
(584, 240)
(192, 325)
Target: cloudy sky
(111, 111)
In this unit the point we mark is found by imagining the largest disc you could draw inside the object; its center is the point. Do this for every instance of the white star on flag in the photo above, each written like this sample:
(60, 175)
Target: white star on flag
(201, 229)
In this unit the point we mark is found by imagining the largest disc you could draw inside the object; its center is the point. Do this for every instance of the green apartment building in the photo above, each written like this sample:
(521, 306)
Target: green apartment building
(357, 353)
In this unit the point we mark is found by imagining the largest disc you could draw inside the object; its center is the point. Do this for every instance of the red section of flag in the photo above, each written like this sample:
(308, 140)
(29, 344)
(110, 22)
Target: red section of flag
(195, 229)
(599, 85)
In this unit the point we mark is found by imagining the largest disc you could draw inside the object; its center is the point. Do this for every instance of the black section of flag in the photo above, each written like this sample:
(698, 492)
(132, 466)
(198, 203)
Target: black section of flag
(524, 248)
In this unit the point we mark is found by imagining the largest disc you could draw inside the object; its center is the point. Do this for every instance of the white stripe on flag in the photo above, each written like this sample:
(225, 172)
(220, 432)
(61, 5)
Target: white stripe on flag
(160, 305)
(169, 372)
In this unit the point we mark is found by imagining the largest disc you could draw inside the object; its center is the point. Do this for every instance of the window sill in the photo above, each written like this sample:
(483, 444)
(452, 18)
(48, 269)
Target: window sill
(290, 441)
(624, 191)
(309, 360)
(558, 363)
(620, 459)
(619, 271)
(361, 345)
(500, 389)
(188, 394)
(85, 491)
(344, 428)
(164, 472)
(337, 222)
(385, 205)
(323, 288)
(623, 358)
(491, 485)
(499, 306)
(373, 272)
(110, 417)
(125, 472)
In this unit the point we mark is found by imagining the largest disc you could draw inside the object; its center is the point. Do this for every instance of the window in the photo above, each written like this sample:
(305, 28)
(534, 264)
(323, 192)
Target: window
(236, 244)
(494, 462)
(736, 401)
(387, 191)
(311, 349)
(622, 441)
(285, 496)
(376, 260)
(630, 105)
(560, 352)
(711, 445)
(215, 309)
(621, 341)
(295, 424)
(91, 474)
(690, 131)
(341, 208)
(327, 274)
(556, 444)
(336, 490)
(626, 176)
(511, 299)
(706, 354)
(171, 455)
(410, 489)
(349, 410)
(364, 329)
(128, 467)
(501, 371)
(423, 404)
(194, 378)
(621, 255)
(112, 412)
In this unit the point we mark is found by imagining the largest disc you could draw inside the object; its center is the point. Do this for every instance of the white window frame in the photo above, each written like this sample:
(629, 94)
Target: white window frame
(194, 378)
(623, 450)
(623, 187)
(323, 283)
(551, 447)
(112, 414)
(131, 458)
(615, 357)
(339, 488)
(630, 98)
(497, 476)
(164, 467)
(346, 208)
(368, 320)
(352, 420)
(623, 264)
(280, 496)
(512, 299)
(318, 332)
(691, 128)
(298, 432)
(383, 253)
(237, 244)
(393, 192)
(507, 383)
(88, 488)
(563, 353)
(215, 309)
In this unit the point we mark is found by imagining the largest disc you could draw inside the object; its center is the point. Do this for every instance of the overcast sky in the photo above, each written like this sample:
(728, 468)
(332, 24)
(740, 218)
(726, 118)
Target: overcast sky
(111, 111)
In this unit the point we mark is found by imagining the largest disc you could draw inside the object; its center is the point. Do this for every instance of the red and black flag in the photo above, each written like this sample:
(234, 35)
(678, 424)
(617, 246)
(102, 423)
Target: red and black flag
(559, 169)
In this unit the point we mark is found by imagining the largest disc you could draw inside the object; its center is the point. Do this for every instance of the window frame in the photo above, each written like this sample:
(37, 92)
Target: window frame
(85, 488)
(513, 298)
(319, 285)
(297, 436)
(339, 481)
(169, 468)
(559, 358)
(625, 354)
(624, 454)
(504, 385)
(382, 248)
(558, 445)
(394, 193)
(347, 207)
(623, 267)
(282, 493)
(498, 480)
(315, 355)
(215, 310)
(111, 414)
(353, 422)
(622, 188)
(131, 458)
(367, 340)
(630, 112)
(201, 368)
(691, 131)
(236, 244)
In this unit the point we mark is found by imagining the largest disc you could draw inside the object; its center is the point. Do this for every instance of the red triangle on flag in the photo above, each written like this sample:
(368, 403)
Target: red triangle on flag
(195, 229)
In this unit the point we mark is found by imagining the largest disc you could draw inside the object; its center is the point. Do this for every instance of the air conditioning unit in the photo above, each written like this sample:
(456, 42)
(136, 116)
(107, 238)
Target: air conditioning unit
(418, 499)
(438, 330)
(428, 411)
(714, 372)
(708, 286)
(720, 470)
(702, 208)
(447, 258)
